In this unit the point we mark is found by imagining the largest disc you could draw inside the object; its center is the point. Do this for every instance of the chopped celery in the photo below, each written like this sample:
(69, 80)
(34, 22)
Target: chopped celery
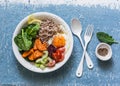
(45, 54)
(42, 67)
(43, 60)
(37, 65)
(43, 57)
(38, 60)
(49, 59)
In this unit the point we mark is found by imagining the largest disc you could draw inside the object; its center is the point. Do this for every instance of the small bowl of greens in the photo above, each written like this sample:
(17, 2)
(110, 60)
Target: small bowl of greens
(42, 42)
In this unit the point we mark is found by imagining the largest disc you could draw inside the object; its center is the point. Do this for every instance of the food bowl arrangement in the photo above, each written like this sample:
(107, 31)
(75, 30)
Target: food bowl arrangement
(42, 42)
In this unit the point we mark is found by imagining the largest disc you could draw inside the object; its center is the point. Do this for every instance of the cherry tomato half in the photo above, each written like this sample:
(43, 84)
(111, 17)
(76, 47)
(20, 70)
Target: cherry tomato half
(59, 55)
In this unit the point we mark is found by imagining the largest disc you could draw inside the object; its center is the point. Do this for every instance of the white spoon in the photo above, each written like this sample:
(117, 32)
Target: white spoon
(77, 29)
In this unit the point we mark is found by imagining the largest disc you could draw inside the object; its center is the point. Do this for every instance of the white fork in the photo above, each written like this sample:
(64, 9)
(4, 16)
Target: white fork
(87, 38)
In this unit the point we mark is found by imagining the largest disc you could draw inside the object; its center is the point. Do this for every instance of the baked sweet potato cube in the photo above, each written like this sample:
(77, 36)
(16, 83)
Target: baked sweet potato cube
(35, 47)
(31, 57)
(27, 53)
(40, 46)
(37, 54)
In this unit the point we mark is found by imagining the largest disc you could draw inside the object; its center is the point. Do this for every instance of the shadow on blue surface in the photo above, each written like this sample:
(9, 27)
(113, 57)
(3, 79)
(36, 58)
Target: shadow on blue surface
(106, 65)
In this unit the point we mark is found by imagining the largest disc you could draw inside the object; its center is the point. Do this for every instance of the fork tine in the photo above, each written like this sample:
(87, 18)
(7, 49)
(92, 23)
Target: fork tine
(89, 30)
(92, 28)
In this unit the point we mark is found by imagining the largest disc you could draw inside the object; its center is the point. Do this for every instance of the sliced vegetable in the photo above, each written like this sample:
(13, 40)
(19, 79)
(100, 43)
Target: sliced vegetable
(37, 54)
(36, 51)
(31, 57)
(59, 55)
(37, 65)
(43, 60)
(104, 37)
(41, 46)
(62, 49)
(42, 66)
(31, 20)
(45, 54)
(51, 49)
(27, 53)
(35, 46)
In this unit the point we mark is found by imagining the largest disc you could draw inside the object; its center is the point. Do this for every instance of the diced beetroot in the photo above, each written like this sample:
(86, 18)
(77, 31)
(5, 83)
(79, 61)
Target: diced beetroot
(51, 49)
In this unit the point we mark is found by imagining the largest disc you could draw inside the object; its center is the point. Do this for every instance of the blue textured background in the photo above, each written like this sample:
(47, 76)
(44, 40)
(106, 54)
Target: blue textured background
(103, 73)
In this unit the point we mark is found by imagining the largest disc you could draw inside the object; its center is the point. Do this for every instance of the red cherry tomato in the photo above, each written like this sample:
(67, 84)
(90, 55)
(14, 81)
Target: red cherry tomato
(59, 55)
(61, 58)
(62, 49)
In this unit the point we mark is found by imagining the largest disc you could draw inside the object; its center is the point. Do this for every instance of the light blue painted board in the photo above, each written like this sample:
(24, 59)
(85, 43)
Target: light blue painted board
(104, 73)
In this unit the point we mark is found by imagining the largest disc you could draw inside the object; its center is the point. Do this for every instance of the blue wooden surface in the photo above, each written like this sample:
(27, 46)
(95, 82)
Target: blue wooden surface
(103, 73)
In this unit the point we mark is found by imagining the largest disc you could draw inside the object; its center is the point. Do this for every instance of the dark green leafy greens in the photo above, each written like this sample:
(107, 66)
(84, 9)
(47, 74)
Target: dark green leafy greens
(24, 39)
(32, 29)
(106, 38)
(22, 42)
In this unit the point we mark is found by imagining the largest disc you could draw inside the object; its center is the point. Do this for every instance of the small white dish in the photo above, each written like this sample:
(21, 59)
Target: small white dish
(103, 57)
(57, 20)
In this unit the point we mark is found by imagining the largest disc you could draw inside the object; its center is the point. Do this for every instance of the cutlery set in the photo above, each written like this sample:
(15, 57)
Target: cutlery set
(77, 30)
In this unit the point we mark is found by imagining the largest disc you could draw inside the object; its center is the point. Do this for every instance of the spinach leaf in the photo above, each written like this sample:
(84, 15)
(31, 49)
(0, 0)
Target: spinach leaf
(32, 29)
(104, 37)
(22, 42)
(24, 39)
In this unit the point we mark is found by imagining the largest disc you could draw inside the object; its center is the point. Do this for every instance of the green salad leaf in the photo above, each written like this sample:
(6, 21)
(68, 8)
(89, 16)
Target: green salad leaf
(22, 42)
(32, 29)
(24, 39)
(106, 38)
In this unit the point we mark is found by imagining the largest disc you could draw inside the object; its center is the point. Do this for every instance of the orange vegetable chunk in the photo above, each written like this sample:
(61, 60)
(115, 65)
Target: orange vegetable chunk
(59, 41)
(31, 57)
(27, 53)
(35, 46)
(37, 54)
(40, 46)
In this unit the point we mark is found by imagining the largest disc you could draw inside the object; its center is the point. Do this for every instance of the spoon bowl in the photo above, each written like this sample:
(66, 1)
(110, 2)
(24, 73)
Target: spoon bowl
(76, 27)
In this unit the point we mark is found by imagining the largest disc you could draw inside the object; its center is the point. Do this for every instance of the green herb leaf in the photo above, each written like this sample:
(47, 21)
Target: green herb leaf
(106, 38)
(24, 39)
(22, 42)
(32, 29)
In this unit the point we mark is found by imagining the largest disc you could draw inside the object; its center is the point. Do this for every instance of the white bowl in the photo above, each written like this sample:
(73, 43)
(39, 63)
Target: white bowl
(28, 64)
(109, 54)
